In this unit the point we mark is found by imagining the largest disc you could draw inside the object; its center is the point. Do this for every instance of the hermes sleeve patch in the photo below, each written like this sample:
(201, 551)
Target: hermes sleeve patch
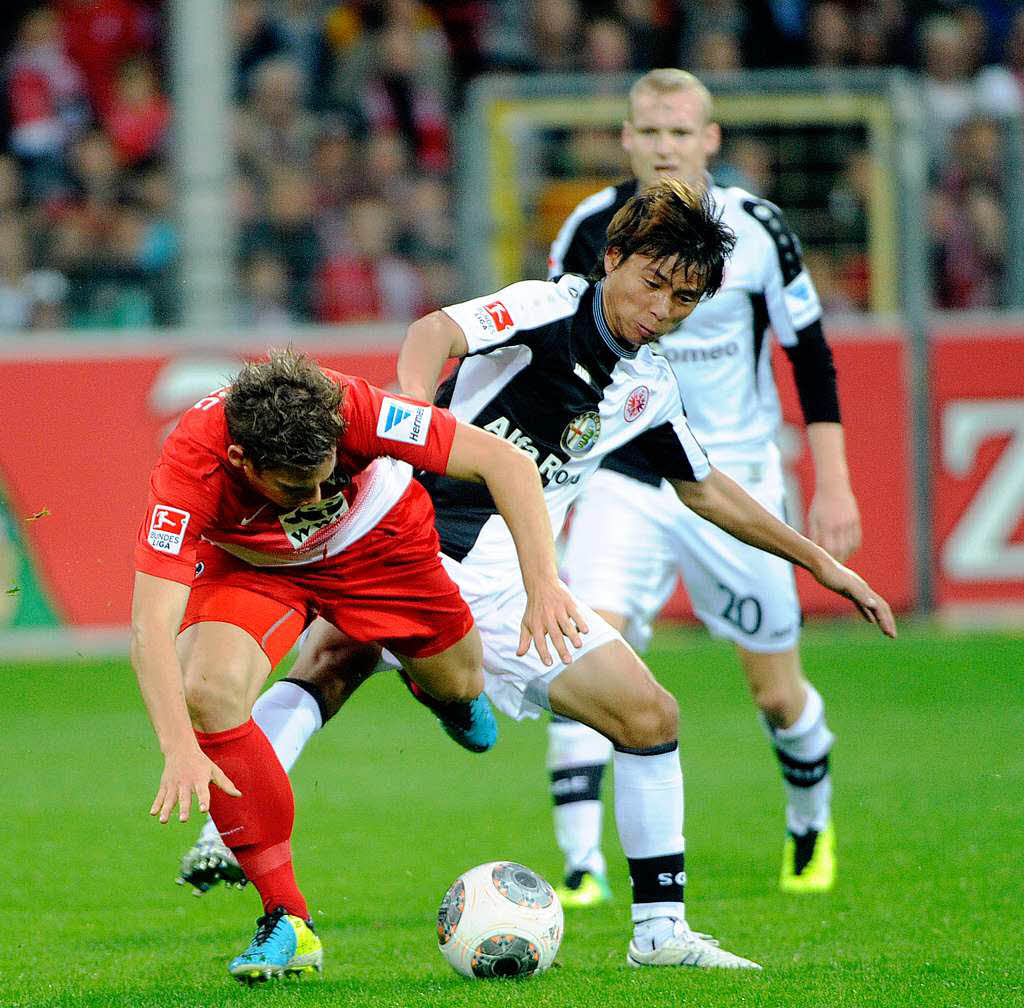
(167, 529)
(403, 421)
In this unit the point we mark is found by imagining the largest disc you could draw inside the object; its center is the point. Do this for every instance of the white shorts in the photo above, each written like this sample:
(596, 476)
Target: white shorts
(628, 542)
(496, 597)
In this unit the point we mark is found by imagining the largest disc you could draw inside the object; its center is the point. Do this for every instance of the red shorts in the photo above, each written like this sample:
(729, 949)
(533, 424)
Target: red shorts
(387, 588)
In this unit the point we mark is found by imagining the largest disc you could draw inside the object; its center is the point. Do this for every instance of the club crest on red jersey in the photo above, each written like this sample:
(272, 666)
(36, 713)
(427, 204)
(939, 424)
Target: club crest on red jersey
(636, 403)
(307, 520)
(581, 433)
(167, 529)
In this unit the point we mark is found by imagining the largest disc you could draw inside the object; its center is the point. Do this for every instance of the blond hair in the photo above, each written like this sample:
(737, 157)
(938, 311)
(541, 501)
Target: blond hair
(665, 80)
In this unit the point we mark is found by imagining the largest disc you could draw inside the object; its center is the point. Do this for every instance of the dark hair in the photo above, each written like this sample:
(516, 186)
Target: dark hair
(284, 412)
(673, 219)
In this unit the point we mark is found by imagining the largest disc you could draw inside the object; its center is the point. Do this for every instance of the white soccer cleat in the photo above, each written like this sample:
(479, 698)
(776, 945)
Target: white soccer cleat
(208, 862)
(687, 948)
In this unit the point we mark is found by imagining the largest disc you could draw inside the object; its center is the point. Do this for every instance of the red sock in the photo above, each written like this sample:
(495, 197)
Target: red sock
(257, 826)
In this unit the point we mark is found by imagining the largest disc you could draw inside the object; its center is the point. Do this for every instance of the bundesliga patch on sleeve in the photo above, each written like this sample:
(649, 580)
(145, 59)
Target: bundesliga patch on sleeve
(167, 529)
(403, 421)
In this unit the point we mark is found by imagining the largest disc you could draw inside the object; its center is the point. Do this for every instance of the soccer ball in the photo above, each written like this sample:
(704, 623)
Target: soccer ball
(499, 920)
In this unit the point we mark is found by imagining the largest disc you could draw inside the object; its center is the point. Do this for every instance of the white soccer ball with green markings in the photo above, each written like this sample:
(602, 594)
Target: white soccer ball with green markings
(499, 920)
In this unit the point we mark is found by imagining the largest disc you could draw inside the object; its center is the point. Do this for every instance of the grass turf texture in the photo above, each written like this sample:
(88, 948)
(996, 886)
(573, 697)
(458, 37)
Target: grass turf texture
(927, 912)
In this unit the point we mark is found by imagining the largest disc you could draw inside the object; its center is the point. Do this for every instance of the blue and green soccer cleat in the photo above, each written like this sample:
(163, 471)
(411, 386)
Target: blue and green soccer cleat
(809, 862)
(284, 945)
(471, 724)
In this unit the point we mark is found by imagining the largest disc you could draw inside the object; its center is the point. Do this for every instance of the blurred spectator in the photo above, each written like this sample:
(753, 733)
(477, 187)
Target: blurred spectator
(832, 40)
(101, 35)
(258, 37)
(265, 286)
(969, 225)
(653, 27)
(47, 103)
(159, 245)
(977, 158)
(974, 26)
(399, 97)
(715, 52)
(849, 198)
(140, 113)
(288, 230)
(15, 296)
(11, 187)
(337, 177)
(95, 172)
(555, 29)
(386, 166)
(369, 282)
(726, 18)
(272, 127)
(606, 47)
(968, 251)
(1000, 89)
(425, 225)
(948, 91)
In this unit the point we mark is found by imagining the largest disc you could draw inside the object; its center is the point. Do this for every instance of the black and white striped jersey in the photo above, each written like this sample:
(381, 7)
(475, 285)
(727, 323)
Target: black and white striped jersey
(720, 354)
(545, 372)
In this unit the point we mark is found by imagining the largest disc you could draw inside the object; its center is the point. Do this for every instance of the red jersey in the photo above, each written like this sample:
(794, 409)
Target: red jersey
(196, 493)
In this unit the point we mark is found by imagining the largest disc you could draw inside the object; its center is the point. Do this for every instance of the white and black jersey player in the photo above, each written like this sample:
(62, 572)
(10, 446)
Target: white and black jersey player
(564, 370)
(721, 357)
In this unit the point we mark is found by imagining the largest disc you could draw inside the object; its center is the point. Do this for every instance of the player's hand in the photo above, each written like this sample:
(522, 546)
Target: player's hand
(551, 611)
(833, 521)
(186, 772)
(851, 585)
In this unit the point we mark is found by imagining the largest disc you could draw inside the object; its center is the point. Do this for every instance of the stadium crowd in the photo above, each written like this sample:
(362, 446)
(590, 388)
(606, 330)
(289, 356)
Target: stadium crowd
(343, 131)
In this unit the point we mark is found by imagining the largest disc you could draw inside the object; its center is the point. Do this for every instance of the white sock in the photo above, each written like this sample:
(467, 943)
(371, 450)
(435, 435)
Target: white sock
(649, 803)
(807, 741)
(650, 932)
(577, 811)
(649, 815)
(289, 716)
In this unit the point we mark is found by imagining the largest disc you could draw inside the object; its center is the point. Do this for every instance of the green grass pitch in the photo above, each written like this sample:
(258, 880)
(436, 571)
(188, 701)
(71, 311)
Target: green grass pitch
(929, 909)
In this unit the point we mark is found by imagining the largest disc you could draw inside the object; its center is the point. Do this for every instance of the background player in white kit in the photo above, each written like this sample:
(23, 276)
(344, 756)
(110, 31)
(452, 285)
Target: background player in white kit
(630, 537)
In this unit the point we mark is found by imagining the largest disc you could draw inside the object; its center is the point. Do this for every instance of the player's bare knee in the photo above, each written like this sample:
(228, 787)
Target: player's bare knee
(212, 697)
(461, 684)
(778, 702)
(652, 720)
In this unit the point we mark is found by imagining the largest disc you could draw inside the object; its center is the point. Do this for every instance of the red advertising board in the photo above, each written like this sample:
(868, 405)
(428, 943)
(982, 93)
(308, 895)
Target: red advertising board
(872, 369)
(978, 464)
(83, 432)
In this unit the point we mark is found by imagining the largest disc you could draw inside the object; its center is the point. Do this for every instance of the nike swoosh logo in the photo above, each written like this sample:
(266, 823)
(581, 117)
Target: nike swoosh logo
(252, 517)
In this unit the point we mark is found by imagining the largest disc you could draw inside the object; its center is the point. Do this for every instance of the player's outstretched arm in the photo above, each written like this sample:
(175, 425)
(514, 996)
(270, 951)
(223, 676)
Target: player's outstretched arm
(511, 477)
(726, 504)
(157, 609)
(833, 519)
(429, 343)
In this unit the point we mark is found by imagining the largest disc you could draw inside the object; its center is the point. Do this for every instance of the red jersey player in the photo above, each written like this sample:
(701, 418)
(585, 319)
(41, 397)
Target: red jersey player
(285, 496)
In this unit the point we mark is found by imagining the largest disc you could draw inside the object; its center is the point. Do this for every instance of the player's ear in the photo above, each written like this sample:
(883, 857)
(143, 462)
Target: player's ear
(712, 139)
(612, 258)
(236, 455)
